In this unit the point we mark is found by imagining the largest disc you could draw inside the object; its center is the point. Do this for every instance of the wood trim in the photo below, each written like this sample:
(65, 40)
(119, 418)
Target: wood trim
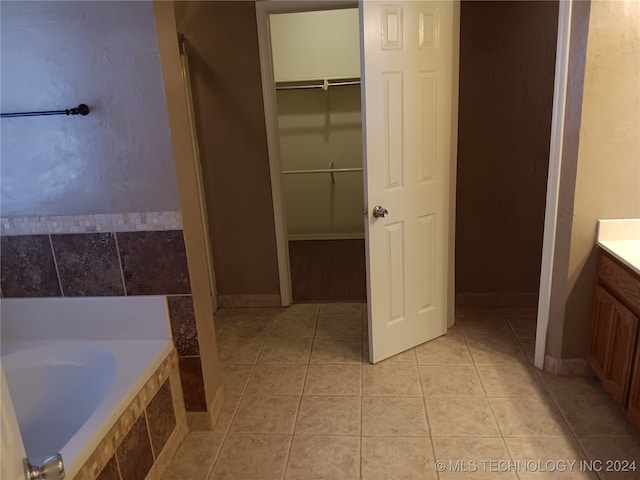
(187, 175)
(553, 179)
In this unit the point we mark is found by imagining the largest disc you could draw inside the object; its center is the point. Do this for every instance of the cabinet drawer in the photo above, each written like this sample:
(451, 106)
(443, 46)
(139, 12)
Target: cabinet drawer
(620, 281)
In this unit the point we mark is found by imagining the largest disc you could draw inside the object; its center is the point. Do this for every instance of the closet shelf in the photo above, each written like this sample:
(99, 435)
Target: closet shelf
(314, 84)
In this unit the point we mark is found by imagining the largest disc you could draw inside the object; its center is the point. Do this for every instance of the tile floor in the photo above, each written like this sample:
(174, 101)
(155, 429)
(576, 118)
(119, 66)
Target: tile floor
(303, 402)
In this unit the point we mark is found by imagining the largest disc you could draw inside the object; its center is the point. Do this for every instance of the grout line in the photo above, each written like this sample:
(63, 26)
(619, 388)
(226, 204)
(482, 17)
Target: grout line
(426, 414)
(146, 422)
(124, 285)
(55, 263)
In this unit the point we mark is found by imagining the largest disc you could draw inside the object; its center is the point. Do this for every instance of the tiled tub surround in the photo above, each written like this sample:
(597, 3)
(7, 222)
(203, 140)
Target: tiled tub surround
(141, 422)
(303, 402)
(116, 263)
(94, 264)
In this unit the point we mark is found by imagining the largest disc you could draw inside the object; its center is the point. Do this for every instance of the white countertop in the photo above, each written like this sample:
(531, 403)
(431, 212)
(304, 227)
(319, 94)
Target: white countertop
(621, 238)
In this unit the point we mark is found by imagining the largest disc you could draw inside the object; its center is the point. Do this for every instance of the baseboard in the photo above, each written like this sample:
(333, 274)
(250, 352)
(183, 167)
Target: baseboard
(248, 301)
(199, 421)
(577, 367)
(497, 299)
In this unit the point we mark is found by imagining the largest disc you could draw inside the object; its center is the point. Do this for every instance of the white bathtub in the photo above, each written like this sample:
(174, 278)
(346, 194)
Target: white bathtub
(67, 394)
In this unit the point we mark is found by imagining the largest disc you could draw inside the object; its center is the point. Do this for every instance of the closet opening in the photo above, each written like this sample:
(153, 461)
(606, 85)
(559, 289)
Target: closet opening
(316, 71)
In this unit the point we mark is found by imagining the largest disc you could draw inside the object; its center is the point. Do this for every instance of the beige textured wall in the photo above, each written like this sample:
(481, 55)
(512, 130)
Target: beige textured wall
(227, 91)
(507, 55)
(608, 175)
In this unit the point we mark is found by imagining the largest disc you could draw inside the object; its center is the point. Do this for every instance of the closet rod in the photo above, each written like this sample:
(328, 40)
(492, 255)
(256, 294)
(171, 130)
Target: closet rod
(323, 86)
(323, 170)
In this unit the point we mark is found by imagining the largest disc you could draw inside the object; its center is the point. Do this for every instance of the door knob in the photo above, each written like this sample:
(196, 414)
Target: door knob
(380, 212)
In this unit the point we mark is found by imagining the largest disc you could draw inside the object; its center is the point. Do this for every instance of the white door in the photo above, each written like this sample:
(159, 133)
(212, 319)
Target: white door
(407, 109)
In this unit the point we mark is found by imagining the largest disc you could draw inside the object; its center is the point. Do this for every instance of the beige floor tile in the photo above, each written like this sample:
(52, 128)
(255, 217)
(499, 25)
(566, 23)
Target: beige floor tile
(255, 457)
(535, 416)
(346, 309)
(234, 350)
(324, 458)
(405, 358)
(485, 327)
(625, 450)
(283, 351)
(394, 416)
(523, 327)
(399, 458)
(461, 416)
(227, 412)
(547, 457)
(235, 378)
(337, 350)
(293, 326)
(195, 456)
(510, 380)
(528, 346)
(448, 349)
(339, 326)
(247, 326)
(276, 380)
(482, 458)
(594, 416)
(329, 416)
(391, 380)
(266, 415)
(570, 385)
(450, 380)
(334, 380)
(496, 351)
(301, 309)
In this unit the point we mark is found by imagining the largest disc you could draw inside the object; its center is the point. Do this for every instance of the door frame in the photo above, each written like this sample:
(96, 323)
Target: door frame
(263, 10)
(266, 7)
(553, 179)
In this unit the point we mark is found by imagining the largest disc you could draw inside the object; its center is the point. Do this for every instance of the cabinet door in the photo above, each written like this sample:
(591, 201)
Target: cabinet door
(601, 324)
(614, 335)
(633, 410)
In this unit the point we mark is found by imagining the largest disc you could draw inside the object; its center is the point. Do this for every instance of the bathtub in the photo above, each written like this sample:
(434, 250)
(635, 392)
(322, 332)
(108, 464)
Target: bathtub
(68, 394)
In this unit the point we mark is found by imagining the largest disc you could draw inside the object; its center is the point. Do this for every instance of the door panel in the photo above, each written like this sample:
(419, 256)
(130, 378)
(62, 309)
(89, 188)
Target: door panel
(407, 101)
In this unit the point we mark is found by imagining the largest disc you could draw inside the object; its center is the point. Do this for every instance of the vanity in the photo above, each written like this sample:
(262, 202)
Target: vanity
(614, 350)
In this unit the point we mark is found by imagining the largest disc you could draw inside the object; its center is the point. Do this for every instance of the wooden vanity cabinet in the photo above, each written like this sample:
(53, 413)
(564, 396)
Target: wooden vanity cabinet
(614, 354)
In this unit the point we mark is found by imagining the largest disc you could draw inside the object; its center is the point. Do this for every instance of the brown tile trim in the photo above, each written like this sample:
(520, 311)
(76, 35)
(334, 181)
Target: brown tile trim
(192, 384)
(258, 300)
(183, 325)
(154, 263)
(28, 267)
(161, 420)
(108, 446)
(134, 453)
